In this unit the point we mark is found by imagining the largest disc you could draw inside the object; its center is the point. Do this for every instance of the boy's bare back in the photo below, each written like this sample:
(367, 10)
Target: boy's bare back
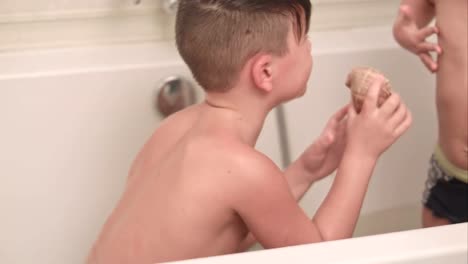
(177, 204)
(452, 79)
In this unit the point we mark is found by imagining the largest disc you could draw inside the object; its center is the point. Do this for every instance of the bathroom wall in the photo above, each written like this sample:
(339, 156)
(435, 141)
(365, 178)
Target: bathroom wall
(54, 24)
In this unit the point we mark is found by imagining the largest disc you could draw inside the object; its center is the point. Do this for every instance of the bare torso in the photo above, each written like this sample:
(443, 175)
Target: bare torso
(452, 84)
(175, 206)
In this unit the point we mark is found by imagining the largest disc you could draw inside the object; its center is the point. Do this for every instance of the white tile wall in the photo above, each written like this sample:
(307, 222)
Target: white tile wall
(49, 6)
(28, 24)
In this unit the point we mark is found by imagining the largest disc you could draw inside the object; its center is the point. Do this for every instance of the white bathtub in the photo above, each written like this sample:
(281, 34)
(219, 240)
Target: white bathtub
(73, 119)
(441, 245)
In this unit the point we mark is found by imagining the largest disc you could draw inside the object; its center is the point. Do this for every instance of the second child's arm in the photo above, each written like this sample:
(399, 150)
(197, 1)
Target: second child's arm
(411, 30)
(422, 11)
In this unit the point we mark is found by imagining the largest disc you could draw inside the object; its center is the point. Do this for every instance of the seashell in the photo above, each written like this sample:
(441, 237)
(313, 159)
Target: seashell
(360, 80)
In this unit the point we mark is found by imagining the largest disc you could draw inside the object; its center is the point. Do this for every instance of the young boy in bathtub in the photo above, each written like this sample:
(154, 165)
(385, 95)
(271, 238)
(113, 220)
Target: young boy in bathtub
(199, 188)
(446, 194)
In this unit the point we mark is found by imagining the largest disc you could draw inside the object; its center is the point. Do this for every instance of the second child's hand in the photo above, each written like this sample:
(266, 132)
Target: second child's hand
(414, 39)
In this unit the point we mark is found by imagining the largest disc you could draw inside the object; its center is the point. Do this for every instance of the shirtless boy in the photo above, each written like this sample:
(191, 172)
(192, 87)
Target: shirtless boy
(198, 188)
(446, 194)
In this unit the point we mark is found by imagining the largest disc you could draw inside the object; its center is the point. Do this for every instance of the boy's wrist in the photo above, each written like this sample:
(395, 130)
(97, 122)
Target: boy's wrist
(311, 171)
(298, 173)
(360, 154)
(356, 165)
(299, 178)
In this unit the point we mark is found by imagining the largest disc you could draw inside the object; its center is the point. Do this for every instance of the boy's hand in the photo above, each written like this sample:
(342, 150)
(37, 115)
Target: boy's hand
(375, 129)
(324, 155)
(413, 38)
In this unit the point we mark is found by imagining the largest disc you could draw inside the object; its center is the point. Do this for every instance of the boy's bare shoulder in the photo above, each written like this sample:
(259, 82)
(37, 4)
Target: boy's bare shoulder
(243, 165)
(241, 156)
(253, 163)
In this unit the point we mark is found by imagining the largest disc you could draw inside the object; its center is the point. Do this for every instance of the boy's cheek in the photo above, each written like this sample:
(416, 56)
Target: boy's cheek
(311, 64)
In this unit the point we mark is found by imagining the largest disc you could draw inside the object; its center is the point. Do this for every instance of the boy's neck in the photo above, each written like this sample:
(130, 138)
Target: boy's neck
(245, 117)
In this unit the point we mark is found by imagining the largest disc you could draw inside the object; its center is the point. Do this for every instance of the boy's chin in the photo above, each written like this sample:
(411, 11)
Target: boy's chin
(300, 93)
(297, 95)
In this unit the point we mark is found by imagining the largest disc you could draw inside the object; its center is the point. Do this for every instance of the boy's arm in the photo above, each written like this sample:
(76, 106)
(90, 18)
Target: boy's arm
(318, 160)
(286, 224)
(411, 30)
(321, 158)
(270, 210)
(338, 214)
(370, 134)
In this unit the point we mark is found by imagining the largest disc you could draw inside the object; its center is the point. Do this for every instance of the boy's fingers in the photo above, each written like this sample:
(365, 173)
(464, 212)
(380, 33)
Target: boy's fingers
(373, 94)
(334, 122)
(404, 125)
(336, 119)
(399, 116)
(391, 105)
(341, 114)
(428, 62)
(343, 124)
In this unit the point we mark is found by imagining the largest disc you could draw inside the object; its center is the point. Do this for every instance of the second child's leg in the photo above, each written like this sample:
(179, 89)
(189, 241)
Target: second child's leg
(430, 220)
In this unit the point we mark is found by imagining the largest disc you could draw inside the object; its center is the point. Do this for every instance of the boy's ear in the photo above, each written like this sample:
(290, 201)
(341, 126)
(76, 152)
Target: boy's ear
(262, 72)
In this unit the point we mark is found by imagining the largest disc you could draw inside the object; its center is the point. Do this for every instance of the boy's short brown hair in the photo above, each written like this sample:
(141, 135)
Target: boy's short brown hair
(217, 37)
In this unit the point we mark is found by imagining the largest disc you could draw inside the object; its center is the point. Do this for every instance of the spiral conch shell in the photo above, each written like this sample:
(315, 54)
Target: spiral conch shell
(360, 80)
